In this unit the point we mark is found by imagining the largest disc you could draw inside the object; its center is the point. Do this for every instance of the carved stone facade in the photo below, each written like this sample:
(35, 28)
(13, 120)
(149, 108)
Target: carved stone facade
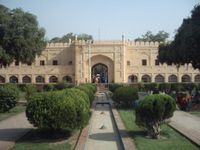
(112, 61)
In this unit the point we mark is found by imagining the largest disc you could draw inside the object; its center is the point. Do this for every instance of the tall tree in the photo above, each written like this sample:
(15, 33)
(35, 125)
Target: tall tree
(21, 38)
(185, 48)
(71, 36)
(160, 37)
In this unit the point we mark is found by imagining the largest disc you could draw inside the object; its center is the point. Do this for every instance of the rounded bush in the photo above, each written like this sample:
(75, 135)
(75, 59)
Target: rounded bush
(82, 106)
(9, 95)
(51, 110)
(125, 96)
(113, 87)
(92, 87)
(88, 91)
(48, 87)
(29, 90)
(152, 111)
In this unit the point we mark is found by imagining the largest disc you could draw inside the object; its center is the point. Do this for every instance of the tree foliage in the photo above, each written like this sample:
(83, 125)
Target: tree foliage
(71, 36)
(185, 48)
(152, 111)
(21, 38)
(160, 37)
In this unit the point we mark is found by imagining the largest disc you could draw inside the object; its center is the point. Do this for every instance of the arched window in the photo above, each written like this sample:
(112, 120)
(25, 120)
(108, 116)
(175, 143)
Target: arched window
(13, 79)
(186, 78)
(2, 79)
(39, 79)
(146, 78)
(67, 79)
(53, 79)
(172, 79)
(197, 78)
(132, 79)
(159, 78)
(26, 79)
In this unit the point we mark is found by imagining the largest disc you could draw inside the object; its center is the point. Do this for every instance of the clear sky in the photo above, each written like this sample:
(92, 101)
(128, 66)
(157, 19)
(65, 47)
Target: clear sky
(106, 19)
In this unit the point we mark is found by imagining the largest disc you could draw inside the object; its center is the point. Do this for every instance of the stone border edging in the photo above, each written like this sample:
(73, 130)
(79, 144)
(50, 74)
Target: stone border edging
(127, 142)
(184, 132)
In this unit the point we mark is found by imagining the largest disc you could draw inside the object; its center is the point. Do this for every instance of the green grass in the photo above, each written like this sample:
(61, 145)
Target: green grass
(171, 139)
(37, 140)
(196, 113)
(12, 112)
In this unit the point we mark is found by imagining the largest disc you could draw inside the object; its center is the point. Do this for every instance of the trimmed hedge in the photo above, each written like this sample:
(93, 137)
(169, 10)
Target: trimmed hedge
(9, 95)
(88, 91)
(113, 87)
(82, 106)
(69, 108)
(125, 96)
(152, 111)
(51, 110)
(29, 90)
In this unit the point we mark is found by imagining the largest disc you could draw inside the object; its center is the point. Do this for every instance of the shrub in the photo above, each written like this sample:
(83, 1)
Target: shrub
(150, 86)
(9, 94)
(61, 85)
(92, 87)
(88, 91)
(48, 87)
(29, 91)
(125, 96)
(51, 110)
(152, 111)
(113, 87)
(82, 106)
(164, 87)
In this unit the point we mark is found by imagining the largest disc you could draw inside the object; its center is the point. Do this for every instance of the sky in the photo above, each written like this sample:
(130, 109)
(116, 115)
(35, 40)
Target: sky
(106, 19)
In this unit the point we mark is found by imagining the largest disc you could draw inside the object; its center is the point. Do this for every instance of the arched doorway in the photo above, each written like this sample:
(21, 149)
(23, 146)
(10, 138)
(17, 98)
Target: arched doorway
(100, 73)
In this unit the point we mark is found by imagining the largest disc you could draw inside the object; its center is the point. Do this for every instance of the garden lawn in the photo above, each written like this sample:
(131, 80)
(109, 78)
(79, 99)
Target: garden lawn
(14, 111)
(196, 113)
(35, 140)
(171, 140)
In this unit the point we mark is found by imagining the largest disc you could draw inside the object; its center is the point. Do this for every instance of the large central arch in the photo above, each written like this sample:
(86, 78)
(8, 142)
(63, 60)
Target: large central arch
(103, 67)
(100, 73)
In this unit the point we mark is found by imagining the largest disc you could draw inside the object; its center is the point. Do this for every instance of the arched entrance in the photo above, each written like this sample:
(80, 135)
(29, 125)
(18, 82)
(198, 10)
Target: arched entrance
(100, 73)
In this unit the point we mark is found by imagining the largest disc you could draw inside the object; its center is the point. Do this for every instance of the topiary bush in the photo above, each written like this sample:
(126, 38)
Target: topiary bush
(9, 95)
(52, 110)
(29, 90)
(61, 85)
(152, 111)
(48, 87)
(92, 87)
(88, 91)
(125, 96)
(82, 106)
(113, 87)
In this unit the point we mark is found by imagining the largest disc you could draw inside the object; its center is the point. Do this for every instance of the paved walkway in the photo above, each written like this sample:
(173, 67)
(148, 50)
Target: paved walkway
(102, 131)
(12, 129)
(187, 124)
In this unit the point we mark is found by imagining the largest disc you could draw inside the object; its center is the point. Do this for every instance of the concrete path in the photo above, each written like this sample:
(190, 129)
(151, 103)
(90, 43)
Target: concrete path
(102, 131)
(187, 124)
(12, 129)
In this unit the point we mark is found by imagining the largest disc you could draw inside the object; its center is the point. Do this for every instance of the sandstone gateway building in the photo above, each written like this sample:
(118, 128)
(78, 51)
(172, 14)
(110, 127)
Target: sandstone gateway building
(111, 61)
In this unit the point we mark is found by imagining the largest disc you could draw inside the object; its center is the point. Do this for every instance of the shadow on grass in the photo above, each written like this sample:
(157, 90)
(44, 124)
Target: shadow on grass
(41, 136)
(135, 134)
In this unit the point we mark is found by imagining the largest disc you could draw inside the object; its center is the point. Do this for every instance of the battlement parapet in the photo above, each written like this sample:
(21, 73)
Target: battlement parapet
(106, 42)
(137, 43)
(57, 45)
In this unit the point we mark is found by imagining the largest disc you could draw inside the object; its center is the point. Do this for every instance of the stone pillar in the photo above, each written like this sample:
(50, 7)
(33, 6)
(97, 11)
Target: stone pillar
(7, 78)
(152, 77)
(19, 78)
(46, 77)
(33, 78)
(192, 77)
